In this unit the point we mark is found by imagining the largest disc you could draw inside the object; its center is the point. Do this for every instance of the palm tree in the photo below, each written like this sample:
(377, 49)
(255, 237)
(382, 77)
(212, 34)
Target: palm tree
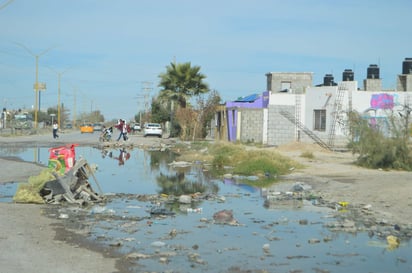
(181, 82)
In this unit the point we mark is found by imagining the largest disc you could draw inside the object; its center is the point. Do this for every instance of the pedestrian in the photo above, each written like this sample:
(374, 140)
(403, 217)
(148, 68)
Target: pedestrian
(55, 129)
(122, 126)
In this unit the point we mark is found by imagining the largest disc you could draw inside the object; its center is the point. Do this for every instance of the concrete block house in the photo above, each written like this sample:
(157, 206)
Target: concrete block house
(293, 109)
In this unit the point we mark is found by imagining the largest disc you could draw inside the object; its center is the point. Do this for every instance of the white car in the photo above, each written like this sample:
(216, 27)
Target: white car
(152, 129)
(136, 127)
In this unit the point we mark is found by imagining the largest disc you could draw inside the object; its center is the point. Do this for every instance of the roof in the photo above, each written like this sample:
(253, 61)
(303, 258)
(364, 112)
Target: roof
(250, 98)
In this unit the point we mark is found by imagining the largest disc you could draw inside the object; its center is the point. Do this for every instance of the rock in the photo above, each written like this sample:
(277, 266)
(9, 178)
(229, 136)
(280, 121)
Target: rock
(313, 241)
(163, 260)
(185, 199)
(299, 186)
(266, 248)
(158, 244)
(303, 222)
(224, 217)
(136, 255)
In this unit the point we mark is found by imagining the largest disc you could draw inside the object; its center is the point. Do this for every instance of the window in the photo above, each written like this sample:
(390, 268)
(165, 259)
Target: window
(320, 120)
(285, 86)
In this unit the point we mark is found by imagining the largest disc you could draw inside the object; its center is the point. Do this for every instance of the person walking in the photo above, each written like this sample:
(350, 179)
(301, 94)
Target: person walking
(55, 129)
(122, 126)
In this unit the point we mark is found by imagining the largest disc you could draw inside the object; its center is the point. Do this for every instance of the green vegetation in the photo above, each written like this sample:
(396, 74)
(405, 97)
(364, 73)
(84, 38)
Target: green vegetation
(378, 146)
(180, 82)
(266, 165)
(183, 103)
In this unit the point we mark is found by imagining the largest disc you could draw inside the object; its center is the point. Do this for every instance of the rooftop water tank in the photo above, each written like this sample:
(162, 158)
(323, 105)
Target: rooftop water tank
(348, 75)
(328, 80)
(373, 71)
(407, 66)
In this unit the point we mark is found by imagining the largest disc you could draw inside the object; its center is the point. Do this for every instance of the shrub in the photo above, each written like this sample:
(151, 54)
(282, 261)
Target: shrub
(378, 149)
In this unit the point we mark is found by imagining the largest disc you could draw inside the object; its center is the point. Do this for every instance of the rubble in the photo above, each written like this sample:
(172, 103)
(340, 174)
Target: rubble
(73, 187)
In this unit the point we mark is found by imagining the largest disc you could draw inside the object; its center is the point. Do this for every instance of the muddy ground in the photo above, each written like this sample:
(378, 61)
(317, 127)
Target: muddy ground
(31, 242)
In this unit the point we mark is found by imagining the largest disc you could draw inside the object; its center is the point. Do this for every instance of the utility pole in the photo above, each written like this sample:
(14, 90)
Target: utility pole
(146, 89)
(74, 108)
(59, 74)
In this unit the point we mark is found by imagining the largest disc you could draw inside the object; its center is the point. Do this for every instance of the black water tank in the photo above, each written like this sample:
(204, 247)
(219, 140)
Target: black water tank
(328, 80)
(348, 75)
(407, 66)
(373, 71)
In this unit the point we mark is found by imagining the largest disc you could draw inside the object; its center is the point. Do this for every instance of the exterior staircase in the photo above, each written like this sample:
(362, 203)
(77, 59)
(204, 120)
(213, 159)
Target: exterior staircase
(304, 129)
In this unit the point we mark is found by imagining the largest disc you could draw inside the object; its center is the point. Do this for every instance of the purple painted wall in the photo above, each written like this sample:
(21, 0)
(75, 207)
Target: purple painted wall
(253, 101)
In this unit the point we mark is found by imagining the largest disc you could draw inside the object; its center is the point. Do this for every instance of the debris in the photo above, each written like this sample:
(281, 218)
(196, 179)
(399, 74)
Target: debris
(160, 211)
(185, 199)
(72, 187)
(393, 242)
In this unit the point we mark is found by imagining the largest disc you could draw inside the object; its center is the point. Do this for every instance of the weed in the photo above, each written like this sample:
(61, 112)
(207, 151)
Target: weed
(308, 155)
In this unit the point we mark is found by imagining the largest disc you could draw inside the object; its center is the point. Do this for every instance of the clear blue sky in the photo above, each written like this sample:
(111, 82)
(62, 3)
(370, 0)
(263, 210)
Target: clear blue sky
(111, 51)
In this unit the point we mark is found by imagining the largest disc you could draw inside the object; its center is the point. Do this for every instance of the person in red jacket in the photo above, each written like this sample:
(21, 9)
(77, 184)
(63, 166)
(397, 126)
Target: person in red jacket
(122, 126)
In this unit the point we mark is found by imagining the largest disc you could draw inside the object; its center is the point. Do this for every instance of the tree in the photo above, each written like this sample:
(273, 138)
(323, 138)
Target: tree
(207, 110)
(180, 82)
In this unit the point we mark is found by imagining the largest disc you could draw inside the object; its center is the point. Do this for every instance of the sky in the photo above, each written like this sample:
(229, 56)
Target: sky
(109, 54)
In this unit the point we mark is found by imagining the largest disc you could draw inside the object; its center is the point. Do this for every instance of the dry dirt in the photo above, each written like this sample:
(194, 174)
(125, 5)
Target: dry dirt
(31, 242)
(336, 178)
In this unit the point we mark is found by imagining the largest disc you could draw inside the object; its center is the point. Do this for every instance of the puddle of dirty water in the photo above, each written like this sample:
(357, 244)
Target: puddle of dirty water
(281, 239)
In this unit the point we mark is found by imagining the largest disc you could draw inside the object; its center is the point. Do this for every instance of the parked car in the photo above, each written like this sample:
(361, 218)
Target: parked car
(136, 127)
(86, 128)
(152, 129)
(97, 127)
(68, 126)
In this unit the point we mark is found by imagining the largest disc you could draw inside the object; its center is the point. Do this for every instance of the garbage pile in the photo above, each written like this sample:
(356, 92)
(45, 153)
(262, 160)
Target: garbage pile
(65, 180)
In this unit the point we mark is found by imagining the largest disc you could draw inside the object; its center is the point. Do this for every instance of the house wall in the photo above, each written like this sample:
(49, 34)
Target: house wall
(404, 82)
(251, 125)
(280, 130)
(353, 99)
(292, 103)
(234, 117)
(275, 81)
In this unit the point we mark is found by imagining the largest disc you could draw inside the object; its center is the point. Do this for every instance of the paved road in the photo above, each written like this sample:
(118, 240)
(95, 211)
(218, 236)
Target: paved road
(69, 137)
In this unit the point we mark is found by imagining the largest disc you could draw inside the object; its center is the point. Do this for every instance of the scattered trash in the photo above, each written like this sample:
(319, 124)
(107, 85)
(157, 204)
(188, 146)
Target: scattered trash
(343, 204)
(393, 242)
(72, 187)
(65, 179)
(161, 211)
(196, 210)
(62, 158)
(266, 248)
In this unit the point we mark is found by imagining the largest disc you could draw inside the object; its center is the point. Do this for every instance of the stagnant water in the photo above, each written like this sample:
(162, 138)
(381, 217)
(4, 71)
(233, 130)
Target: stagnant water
(267, 240)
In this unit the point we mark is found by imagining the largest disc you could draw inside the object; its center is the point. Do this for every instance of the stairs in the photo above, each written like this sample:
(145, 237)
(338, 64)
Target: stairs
(308, 132)
(337, 106)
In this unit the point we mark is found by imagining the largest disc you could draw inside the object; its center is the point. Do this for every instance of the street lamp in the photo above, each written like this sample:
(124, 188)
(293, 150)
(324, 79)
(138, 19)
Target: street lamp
(36, 84)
